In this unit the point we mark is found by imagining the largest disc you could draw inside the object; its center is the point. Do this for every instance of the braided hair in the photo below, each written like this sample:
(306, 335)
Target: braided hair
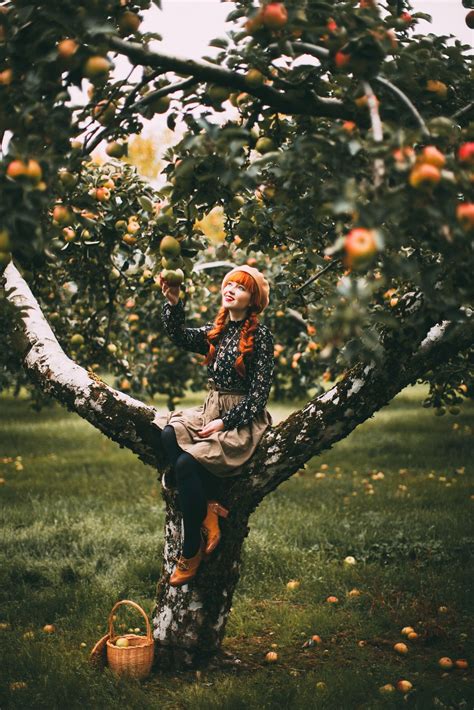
(249, 326)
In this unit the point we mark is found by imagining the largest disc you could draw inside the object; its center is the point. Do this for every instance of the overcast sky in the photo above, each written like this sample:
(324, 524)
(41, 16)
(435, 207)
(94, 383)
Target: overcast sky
(188, 25)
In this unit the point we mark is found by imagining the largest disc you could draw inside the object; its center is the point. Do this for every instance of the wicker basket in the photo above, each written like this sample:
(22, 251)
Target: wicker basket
(136, 659)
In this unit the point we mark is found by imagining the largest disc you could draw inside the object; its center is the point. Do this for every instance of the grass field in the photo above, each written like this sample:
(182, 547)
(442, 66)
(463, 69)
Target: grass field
(82, 522)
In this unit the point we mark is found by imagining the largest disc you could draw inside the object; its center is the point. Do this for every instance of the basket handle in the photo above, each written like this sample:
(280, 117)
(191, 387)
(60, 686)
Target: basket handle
(138, 608)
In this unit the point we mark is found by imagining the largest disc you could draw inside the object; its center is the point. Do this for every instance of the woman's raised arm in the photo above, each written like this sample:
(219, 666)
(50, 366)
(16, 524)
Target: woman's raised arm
(173, 316)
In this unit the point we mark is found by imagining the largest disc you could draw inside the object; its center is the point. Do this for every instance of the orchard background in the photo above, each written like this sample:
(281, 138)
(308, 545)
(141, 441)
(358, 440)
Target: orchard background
(329, 144)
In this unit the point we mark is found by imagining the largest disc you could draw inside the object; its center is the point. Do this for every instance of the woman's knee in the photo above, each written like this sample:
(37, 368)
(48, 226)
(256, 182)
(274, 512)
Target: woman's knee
(167, 433)
(185, 466)
(168, 438)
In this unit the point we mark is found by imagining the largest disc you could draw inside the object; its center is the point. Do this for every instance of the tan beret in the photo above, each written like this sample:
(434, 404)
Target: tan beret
(260, 280)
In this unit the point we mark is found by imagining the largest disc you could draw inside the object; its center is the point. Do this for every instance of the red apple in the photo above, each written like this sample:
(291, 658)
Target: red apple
(67, 48)
(437, 87)
(432, 156)
(406, 18)
(404, 686)
(445, 663)
(97, 68)
(61, 214)
(274, 15)
(16, 169)
(465, 215)
(466, 153)
(360, 245)
(424, 175)
(401, 648)
(271, 657)
(341, 59)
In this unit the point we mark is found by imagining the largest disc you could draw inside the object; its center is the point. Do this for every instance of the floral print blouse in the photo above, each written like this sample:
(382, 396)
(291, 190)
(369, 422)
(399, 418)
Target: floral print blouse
(259, 366)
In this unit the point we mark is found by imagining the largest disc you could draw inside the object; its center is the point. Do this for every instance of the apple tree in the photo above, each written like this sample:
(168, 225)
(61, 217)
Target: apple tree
(345, 172)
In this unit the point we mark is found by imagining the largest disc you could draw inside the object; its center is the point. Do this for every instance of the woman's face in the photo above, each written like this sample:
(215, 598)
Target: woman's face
(236, 298)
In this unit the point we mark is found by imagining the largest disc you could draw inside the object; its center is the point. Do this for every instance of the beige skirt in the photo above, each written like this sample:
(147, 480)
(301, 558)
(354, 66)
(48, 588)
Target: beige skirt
(223, 453)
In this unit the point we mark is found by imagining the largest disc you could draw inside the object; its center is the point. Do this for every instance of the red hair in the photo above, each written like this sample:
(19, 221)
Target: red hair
(246, 341)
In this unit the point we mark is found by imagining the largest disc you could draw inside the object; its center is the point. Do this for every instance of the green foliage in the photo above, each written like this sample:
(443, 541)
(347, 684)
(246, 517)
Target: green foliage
(303, 163)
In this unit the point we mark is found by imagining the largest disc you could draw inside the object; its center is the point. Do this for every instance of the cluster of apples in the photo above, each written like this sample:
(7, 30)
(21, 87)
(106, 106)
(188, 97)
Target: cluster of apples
(427, 169)
(29, 171)
(445, 663)
(171, 261)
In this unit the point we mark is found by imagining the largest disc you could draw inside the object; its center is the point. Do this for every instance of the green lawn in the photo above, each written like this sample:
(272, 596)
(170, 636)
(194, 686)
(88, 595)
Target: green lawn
(82, 522)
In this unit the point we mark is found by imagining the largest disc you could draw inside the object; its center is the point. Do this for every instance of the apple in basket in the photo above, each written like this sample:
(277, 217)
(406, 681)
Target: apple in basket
(122, 642)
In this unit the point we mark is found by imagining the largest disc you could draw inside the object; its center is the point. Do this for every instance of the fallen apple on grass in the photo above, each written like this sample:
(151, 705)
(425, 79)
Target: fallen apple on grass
(404, 686)
(445, 663)
(401, 648)
(387, 689)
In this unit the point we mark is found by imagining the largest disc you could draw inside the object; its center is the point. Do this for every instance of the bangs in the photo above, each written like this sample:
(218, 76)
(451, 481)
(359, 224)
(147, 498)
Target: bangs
(241, 277)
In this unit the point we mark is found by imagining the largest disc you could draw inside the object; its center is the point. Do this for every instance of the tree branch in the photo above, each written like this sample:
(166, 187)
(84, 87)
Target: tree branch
(463, 110)
(120, 417)
(283, 449)
(128, 111)
(379, 167)
(207, 72)
(407, 102)
(332, 416)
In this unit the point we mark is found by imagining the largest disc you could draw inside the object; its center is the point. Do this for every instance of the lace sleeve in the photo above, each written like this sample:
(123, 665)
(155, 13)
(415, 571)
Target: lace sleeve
(192, 339)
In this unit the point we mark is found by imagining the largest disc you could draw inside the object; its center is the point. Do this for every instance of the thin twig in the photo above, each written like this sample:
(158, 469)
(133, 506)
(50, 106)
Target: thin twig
(318, 275)
(463, 110)
(377, 130)
(406, 101)
(163, 91)
(127, 112)
(86, 149)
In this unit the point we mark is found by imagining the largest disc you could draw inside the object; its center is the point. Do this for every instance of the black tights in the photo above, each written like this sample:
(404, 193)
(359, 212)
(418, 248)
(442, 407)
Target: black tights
(195, 484)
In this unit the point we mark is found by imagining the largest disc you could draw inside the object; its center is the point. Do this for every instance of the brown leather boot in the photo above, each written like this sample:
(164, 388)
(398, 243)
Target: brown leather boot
(210, 526)
(186, 568)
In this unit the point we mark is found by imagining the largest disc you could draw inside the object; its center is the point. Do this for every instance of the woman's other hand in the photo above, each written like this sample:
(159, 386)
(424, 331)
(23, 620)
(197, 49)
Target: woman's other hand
(215, 425)
(171, 293)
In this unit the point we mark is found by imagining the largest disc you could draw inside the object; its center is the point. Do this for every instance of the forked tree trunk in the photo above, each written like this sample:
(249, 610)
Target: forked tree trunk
(189, 622)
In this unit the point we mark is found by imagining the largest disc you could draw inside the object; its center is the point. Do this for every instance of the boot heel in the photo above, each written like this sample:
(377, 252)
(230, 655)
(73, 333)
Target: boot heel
(219, 509)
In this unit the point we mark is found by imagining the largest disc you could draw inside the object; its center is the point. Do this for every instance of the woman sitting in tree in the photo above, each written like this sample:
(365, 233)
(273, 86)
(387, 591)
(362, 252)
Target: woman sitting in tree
(212, 441)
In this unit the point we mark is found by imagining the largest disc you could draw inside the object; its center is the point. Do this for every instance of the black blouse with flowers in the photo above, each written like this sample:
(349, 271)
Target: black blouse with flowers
(259, 366)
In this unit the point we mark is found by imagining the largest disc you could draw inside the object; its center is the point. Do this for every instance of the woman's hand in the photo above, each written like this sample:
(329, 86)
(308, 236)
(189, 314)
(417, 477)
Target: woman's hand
(171, 293)
(215, 425)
